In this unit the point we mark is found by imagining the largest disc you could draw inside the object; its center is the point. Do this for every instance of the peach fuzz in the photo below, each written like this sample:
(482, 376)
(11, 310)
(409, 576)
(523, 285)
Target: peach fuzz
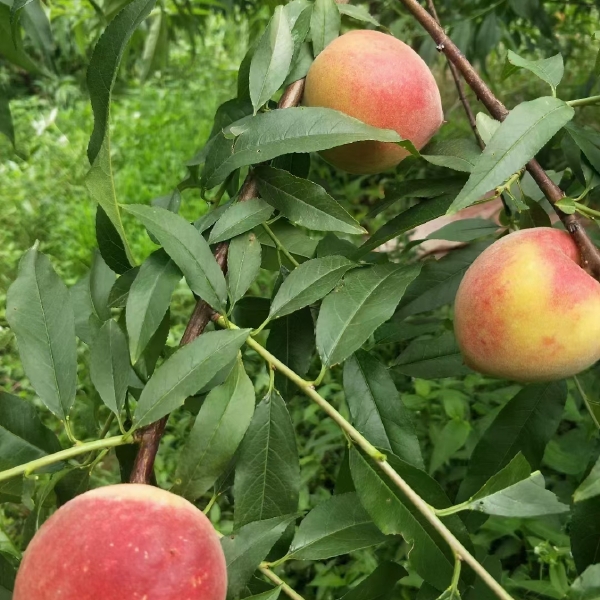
(526, 310)
(377, 79)
(124, 541)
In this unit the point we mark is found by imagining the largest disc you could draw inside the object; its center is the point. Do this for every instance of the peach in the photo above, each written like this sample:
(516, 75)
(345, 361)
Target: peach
(377, 79)
(526, 310)
(124, 541)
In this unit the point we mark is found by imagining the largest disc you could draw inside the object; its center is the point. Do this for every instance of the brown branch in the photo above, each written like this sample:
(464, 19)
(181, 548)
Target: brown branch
(590, 255)
(460, 88)
(150, 436)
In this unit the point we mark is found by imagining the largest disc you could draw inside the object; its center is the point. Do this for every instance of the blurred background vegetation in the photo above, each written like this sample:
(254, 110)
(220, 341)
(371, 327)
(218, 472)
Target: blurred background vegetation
(182, 63)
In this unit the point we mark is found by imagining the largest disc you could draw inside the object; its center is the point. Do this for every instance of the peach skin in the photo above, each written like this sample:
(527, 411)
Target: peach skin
(124, 541)
(526, 310)
(381, 81)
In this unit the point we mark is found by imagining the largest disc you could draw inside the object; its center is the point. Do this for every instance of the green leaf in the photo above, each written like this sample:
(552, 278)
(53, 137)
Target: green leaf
(486, 127)
(145, 365)
(588, 141)
(425, 211)
(550, 70)
(585, 533)
(156, 46)
(525, 499)
(438, 281)
(325, 24)
(300, 245)
(432, 358)
(247, 547)
(525, 131)
(337, 526)
(379, 583)
(590, 487)
(218, 430)
(243, 265)
(102, 279)
(304, 202)
(418, 188)
(6, 123)
(359, 13)
(110, 243)
(587, 586)
(459, 154)
(11, 48)
(23, 438)
(101, 76)
(268, 135)
(272, 594)
(301, 64)
(397, 330)
(104, 65)
(350, 314)
(40, 313)
(464, 230)
(185, 372)
(449, 441)
(516, 470)
(188, 249)
(272, 59)
(377, 409)
(393, 513)
(109, 366)
(525, 424)
(267, 473)
(120, 290)
(239, 218)
(292, 340)
(308, 283)
(148, 300)
(87, 322)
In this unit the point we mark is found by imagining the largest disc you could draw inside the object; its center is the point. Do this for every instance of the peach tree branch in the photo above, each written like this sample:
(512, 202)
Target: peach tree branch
(590, 255)
(379, 459)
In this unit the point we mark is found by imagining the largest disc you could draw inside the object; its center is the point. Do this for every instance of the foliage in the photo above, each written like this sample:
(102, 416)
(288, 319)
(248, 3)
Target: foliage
(509, 468)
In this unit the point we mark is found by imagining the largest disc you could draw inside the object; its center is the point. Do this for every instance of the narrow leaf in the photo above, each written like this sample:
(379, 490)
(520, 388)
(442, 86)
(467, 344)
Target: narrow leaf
(110, 243)
(350, 314)
(525, 499)
(243, 265)
(528, 127)
(301, 129)
(272, 59)
(304, 202)
(185, 372)
(267, 473)
(587, 586)
(425, 211)
(40, 313)
(148, 300)
(525, 424)
(585, 533)
(324, 24)
(432, 358)
(6, 123)
(379, 583)
(394, 513)
(377, 408)
(247, 547)
(458, 154)
(239, 218)
(216, 435)
(337, 526)
(359, 13)
(292, 341)
(550, 70)
(109, 366)
(308, 283)
(188, 249)
(590, 487)
(438, 281)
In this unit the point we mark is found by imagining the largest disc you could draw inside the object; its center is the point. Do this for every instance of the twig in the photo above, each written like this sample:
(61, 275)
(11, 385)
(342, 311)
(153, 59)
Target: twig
(460, 88)
(150, 436)
(380, 461)
(590, 255)
(50, 459)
